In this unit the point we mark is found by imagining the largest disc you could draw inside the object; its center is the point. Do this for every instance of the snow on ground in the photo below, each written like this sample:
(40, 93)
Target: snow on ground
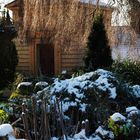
(82, 136)
(118, 117)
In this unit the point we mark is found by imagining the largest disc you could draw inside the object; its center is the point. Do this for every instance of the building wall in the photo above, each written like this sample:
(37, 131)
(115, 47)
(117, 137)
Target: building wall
(24, 59)
(72, 57)
(69, 49)
(125, 43)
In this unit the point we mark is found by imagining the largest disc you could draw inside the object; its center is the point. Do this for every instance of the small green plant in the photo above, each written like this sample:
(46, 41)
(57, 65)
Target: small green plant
(19, 77)
(15, 95)
(3, 116)
(121, 128)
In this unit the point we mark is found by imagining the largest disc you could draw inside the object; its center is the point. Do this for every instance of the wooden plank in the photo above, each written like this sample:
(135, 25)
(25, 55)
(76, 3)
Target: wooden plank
(24, 64)
(72, 60)
(24, 56)
(57, 59)
(70, 69)
(72, 56)
(72, 64)
(73, 53)
(23, 52)
(24, 60)
(22, 48)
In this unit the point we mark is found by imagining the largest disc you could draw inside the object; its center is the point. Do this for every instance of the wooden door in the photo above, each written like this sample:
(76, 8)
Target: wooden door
(46, 59)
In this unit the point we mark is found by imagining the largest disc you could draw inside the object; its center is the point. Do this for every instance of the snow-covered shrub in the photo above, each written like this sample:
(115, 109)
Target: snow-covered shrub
(135, 91)
(93, 96)
(133, 113)
(40, 86)
(3, 116)
(25, 88)
(86, 96)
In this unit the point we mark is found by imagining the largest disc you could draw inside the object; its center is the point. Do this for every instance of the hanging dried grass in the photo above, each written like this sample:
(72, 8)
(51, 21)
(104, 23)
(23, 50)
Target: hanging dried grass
(63, 21)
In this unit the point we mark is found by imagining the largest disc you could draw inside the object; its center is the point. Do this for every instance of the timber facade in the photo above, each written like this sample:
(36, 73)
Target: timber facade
(46, 54)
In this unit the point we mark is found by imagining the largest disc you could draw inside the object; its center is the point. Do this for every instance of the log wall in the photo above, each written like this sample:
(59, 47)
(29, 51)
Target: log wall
(24, 59)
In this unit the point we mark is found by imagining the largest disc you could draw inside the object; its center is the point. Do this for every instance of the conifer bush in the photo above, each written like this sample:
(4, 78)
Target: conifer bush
(98, 54)
(8, 53)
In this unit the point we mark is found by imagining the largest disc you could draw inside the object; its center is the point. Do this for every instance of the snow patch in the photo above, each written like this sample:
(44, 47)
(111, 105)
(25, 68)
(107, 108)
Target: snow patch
(78, 84)
(66, 105)
(118, 117)
(132, 111)
(104, 84)
(94, 2)
(136, 91)
(41, 83)
(104, 133)
(24, 84)
(81, 134)
(5, 129)
(10, 137)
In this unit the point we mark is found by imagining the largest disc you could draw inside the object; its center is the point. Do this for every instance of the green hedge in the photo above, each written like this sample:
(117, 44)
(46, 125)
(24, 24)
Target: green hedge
(127, 70)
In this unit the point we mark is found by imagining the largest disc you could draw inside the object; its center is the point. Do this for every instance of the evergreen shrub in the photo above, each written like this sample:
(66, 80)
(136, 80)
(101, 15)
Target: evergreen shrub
(98, 54)
(8, 53)
(127, 70)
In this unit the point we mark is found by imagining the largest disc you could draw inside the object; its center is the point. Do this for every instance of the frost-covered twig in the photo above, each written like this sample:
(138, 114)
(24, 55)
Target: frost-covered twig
(16, 121)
